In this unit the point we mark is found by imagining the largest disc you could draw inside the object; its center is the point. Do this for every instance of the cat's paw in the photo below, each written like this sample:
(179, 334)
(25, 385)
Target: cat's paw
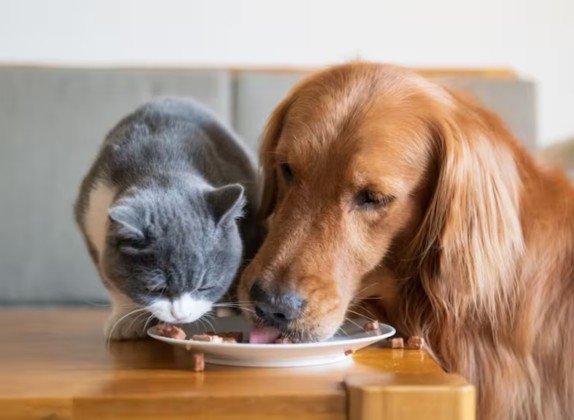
(122, 327)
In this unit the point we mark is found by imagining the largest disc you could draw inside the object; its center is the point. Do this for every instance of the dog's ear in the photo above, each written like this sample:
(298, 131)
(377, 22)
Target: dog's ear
(471, 235)
(267, 157)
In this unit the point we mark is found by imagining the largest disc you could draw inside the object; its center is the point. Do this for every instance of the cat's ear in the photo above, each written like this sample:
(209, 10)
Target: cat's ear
(226, 203)
(127, 228)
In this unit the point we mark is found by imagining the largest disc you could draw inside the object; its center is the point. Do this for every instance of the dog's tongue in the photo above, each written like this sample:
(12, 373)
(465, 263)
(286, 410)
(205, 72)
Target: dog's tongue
(263, 335)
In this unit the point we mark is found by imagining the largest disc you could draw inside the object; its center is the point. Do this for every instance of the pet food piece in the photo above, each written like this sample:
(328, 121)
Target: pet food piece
(415, 342)
(237, 336)
(283, 340)
(228, 337)
(198, 362)
(348, 352)
(208, 338)
(371, 325)
(397, 343)
(170, 331)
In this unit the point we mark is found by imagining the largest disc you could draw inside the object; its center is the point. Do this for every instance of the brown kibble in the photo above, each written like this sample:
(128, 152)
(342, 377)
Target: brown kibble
(229, 340)
(207, 338)
(397, 343)
(371, 325)
(283, 340)
(236, 335)
(349, 352)
(170, 331)
(415, 342)
(198, 362)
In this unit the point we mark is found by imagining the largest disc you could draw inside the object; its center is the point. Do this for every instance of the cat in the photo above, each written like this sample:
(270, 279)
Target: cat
(167, 212)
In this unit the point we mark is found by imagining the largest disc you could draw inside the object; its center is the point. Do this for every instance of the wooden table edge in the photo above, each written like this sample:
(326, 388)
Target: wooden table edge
(389, 396)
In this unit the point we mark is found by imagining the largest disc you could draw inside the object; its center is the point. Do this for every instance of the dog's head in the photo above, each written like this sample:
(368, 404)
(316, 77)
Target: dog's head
(369, 167)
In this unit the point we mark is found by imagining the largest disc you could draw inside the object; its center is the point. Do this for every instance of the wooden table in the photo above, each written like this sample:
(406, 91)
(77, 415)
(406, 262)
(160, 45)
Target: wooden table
(54, 364)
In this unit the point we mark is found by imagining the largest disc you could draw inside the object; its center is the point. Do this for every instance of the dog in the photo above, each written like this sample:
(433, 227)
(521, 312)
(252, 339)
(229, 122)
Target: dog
(381, 183)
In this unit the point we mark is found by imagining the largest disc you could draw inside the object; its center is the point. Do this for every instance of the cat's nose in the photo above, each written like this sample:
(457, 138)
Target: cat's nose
(178, 315)
(277, 309)
(179, 310)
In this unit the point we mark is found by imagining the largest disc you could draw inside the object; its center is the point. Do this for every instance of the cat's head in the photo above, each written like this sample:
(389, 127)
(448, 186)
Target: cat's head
(175, 251)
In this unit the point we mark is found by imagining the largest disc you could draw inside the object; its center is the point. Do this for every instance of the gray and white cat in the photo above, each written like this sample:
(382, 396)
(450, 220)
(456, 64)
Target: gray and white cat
(164, 211)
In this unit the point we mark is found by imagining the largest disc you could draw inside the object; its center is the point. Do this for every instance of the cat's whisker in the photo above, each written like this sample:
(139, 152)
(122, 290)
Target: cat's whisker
(364, 289)
(150, 318)
(231, 304)
(368, 311)
(353, 322)
(246, 302)
(243, 308)
(341, 329)
(139, 318)
(360, 314)
(210, 324)
(136, 318)
(109, 338)
(201, 323)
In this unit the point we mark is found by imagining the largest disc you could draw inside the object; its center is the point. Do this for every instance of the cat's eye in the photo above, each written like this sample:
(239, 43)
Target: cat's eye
(287, 172)
(369, 199)
(205, 289)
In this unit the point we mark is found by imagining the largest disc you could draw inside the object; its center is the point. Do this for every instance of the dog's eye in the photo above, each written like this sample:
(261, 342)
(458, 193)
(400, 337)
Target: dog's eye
(367, 199)
(287, 172)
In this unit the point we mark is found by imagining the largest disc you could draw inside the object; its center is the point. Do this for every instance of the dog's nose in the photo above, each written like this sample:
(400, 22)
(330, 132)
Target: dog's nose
(276, 308)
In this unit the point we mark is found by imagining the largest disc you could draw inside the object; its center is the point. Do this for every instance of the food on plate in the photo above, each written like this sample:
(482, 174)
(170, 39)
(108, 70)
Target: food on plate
(229, 337)
(283, 340)
(207, 338)
(170, 331)
(415, 342)
(371, 325)
(349, 352)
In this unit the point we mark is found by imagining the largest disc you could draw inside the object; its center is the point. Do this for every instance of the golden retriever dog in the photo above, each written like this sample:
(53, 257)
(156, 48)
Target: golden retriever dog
(379, 182)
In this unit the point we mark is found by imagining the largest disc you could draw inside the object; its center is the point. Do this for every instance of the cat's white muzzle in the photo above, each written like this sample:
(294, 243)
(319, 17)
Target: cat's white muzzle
(181, 310)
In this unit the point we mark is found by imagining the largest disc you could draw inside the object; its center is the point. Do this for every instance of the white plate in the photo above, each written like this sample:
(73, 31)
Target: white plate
(276, 355)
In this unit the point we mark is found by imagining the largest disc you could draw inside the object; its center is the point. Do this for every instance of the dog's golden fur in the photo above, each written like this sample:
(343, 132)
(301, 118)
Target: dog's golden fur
(475, 252)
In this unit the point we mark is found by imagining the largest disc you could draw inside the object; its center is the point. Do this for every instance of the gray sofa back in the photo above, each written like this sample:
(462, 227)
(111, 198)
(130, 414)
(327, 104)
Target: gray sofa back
(53, 120)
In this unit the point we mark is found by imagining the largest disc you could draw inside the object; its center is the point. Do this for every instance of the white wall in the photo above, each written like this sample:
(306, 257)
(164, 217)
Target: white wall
(534, 37)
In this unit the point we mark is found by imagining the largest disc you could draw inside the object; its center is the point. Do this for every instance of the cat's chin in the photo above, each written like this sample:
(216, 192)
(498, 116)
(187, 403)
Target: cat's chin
(182, 310)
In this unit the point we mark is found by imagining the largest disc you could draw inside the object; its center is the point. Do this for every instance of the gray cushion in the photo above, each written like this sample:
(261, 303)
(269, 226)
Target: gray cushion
(514, 100)
(256, 95)
(51, 125)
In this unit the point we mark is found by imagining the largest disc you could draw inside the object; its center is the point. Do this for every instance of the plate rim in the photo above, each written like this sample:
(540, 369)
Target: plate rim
(390, 331)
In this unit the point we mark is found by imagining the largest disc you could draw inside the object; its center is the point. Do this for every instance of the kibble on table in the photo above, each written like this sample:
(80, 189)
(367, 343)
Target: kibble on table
(198, 362)
(415, 342)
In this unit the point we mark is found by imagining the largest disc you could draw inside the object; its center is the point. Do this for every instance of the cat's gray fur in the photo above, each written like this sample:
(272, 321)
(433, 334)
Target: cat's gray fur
(180, 192)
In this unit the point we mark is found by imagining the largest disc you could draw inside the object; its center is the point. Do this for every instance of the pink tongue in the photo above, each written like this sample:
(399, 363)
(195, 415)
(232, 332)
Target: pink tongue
(263, 335)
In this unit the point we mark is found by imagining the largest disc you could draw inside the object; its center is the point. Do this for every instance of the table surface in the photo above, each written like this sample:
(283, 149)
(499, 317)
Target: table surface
(54, 363)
